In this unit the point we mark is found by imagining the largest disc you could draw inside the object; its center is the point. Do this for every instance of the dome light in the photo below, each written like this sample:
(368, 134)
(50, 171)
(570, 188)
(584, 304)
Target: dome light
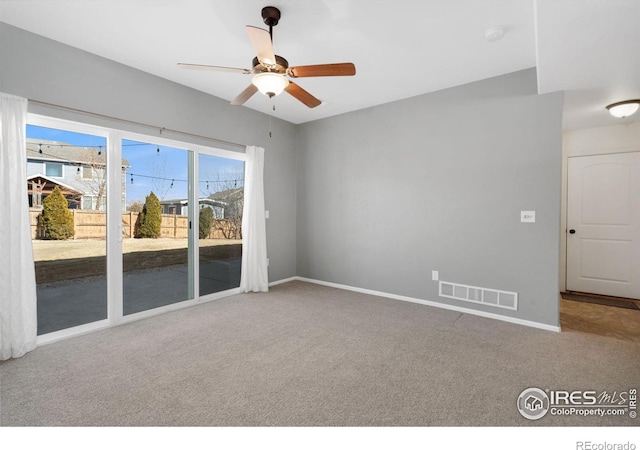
(624, 109)
(270, 84)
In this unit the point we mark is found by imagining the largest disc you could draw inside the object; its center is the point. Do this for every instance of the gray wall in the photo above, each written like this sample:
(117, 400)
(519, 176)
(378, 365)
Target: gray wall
(47, 71)
(384, 195)
(437, 182)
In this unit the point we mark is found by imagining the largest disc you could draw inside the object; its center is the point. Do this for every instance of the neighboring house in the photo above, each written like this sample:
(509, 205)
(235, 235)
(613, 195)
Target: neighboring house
(226, 204)
(234, 201)
(79, 173)
(180, 207)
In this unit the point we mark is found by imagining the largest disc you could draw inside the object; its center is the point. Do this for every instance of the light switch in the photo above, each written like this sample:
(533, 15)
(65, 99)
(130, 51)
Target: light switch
(266, 214)
(527, 216)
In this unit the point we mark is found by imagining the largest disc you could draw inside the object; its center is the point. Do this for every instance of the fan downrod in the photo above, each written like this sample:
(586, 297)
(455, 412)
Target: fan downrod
(271, 15)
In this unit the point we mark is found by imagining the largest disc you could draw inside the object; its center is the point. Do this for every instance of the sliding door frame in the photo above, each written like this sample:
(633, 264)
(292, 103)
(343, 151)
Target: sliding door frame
(114, 138)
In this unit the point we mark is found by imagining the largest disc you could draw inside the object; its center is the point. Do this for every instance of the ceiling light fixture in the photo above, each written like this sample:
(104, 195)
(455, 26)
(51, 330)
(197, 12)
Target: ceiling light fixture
(624, 109)
(270, 84)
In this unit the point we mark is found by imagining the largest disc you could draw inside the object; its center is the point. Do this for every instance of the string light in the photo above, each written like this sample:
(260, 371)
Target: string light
(173, 180)
(100, 147)
(85, 147)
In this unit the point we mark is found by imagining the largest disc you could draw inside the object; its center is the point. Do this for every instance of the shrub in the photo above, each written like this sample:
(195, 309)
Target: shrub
(206, 220)
(150, 217)
(57, 220)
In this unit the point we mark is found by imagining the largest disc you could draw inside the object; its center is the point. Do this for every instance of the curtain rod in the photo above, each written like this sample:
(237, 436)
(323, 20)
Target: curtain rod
(132, 122)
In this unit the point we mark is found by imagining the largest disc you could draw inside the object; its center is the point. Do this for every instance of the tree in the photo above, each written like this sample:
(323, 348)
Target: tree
(150, 218)
(206, 220)
(93, 175)
(229, 189)
(136, 206)
(57, 220)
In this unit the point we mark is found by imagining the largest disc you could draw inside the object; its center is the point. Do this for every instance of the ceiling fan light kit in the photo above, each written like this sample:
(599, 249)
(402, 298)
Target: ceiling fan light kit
(270, 71)
(269, 83)
(624, 109)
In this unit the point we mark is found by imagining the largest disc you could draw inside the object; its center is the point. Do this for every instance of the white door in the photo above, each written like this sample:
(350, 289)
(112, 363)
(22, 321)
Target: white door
(603, 225)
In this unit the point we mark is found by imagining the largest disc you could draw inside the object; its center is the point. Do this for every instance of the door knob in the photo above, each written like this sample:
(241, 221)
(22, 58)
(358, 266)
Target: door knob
(572, 231)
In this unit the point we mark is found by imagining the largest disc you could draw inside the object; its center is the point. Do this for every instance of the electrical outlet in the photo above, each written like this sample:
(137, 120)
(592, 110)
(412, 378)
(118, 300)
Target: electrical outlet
(434, 275)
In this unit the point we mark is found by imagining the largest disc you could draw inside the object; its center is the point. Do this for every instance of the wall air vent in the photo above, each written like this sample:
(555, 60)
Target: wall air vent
(474, 294)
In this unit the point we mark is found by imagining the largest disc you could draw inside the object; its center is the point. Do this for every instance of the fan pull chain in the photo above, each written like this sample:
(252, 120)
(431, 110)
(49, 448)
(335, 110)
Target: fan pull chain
(273, 107)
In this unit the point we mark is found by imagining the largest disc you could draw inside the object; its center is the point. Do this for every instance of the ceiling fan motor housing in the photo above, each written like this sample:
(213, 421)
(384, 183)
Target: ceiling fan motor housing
(280, 67)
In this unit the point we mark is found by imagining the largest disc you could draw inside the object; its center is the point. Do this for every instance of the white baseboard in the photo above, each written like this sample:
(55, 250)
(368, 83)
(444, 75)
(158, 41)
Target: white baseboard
(528, 323)
(284, 280)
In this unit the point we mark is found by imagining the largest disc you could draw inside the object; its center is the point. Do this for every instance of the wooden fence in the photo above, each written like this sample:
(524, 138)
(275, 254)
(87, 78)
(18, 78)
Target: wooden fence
(93, 225)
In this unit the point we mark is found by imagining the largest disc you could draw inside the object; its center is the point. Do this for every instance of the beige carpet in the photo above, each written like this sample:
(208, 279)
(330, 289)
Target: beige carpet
(310, 355)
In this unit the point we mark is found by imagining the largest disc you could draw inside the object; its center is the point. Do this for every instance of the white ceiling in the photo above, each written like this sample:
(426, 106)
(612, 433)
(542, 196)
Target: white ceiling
(401, 48)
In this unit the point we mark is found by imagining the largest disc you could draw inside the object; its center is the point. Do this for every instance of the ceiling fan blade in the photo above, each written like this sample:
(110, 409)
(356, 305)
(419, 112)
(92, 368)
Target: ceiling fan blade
(302, 95)
(323, 70)
(216, 68)
(262, 46)
(245, 95)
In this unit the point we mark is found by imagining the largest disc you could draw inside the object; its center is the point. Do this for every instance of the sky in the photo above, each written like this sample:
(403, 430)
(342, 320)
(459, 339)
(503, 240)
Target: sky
(157, 168)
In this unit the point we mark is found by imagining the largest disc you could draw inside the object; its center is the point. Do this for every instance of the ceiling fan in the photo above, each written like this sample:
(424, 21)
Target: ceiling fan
(271, 72)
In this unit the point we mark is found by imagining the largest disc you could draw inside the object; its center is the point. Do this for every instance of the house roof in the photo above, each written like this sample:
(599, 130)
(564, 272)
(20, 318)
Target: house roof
(229, 195)
(55, 182)
(184, 201)
(65, 152)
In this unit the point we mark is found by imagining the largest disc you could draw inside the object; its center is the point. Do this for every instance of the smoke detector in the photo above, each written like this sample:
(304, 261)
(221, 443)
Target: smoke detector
(494, 34)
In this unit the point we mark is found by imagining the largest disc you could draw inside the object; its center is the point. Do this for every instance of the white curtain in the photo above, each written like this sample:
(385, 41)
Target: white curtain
(254, 276)
(18, 317)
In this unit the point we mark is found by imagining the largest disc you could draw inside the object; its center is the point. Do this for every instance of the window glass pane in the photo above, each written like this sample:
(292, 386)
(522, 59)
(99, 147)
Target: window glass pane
(54, 170)
(156, 227)
(69, 238)
(221, 199)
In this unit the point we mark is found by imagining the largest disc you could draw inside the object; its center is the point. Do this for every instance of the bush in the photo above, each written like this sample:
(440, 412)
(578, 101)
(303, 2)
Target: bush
(150, 217)
(206, 220)
(57, 220)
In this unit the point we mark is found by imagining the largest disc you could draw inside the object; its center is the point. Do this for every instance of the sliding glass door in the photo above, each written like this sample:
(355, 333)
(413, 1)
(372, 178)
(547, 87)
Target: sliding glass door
(221, 200)
(157, 226)
(126, 225)
(66, 185)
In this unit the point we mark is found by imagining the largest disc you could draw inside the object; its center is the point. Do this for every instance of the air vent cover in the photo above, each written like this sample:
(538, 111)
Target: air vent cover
(475, 294)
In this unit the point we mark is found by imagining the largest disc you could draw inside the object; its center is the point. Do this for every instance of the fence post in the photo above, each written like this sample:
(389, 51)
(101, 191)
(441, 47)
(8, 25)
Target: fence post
(175, 226)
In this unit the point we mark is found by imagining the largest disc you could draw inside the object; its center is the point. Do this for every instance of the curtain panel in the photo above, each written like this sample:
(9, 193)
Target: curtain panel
(254, 276)
(18, 313)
